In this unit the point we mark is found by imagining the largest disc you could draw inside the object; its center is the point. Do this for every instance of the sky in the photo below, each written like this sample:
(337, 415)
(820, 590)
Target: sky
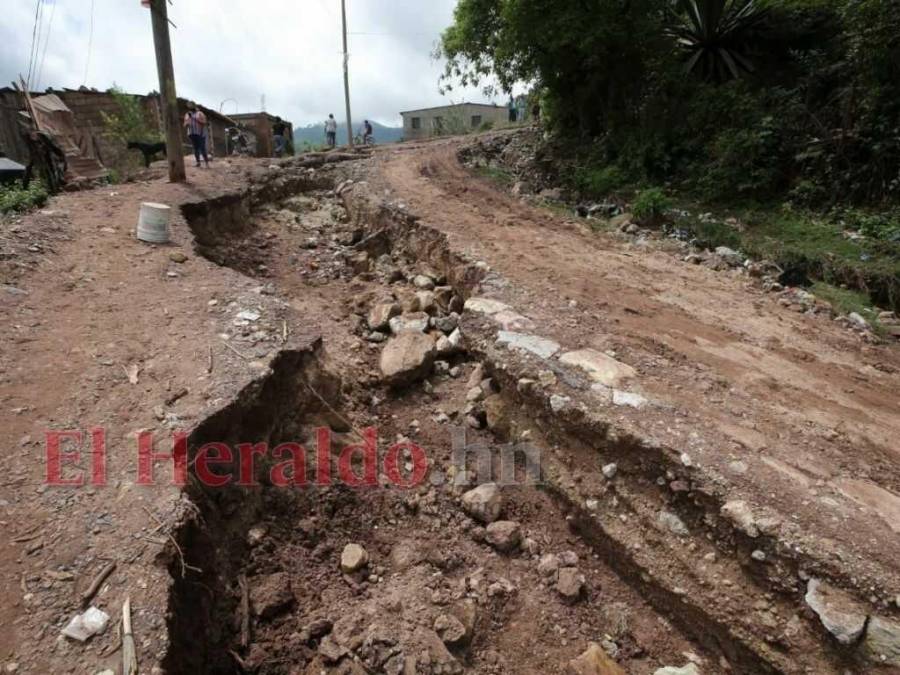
(236, 51)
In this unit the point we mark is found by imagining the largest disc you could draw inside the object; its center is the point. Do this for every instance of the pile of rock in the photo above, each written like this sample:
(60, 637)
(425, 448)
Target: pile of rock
(419, 325)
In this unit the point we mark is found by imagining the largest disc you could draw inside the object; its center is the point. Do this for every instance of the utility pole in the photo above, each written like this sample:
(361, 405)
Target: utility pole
(160, 18)
(347, 74)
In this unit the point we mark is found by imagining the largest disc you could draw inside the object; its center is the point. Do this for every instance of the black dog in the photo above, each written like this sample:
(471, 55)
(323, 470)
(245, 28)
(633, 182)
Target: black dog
(148, 149)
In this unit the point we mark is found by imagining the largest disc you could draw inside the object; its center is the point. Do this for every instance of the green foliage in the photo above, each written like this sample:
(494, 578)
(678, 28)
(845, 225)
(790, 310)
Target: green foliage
(13, 198)
(501, 177)
(651, 204)
(487, 125)
(598, 183)
(817, 121)
(130, 122)
(716, 35)
(882, 226)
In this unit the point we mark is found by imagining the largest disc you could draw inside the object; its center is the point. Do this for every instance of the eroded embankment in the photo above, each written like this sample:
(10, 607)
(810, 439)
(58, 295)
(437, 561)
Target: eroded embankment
(650, 535)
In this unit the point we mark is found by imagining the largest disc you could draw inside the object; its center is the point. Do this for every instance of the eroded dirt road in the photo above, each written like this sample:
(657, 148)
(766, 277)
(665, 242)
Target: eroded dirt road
(797, 416)
(750, 452)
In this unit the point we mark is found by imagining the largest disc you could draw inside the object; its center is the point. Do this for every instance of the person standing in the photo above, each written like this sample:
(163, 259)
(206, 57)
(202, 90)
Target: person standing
(278, 130)
(195, 124)
(331, 131)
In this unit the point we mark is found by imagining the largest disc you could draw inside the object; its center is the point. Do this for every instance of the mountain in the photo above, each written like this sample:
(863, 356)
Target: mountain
(314, 134)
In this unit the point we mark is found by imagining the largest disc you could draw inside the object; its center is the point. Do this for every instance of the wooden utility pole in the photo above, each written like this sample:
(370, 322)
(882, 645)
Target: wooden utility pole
(347, 74)
(172, 118)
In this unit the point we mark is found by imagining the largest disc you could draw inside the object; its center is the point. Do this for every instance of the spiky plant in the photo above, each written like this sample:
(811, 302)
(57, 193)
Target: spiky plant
(716, 35)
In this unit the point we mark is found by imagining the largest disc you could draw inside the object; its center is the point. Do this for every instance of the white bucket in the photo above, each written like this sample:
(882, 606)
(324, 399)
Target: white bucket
(153, 223)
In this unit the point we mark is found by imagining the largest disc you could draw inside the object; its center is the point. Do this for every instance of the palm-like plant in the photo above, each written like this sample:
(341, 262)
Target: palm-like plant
(716, 35)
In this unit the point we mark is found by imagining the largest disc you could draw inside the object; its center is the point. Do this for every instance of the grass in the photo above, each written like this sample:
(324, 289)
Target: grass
(501, 177)
(810, 241)
(13, 198)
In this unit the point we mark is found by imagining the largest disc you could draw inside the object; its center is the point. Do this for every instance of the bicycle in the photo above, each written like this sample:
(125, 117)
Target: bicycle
(358, 140)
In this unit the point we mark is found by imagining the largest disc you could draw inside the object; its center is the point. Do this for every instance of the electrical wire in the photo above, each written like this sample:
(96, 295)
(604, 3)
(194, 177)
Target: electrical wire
(34, 38)
(40, 71)
(87, 65)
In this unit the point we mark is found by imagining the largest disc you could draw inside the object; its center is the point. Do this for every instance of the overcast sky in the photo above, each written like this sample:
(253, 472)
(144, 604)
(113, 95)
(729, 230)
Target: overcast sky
(242, 49)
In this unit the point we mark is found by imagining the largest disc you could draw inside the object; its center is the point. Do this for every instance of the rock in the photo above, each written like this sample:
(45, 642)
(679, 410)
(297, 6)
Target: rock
(425, 301)
(510, 320)
(882, 642)
(407, 357)
(331, 651)
(594, 661)
(178, 257)
(497, 415)
(484, 503)
(423, 282)
(474, 395)
(534, 344)
(758, 556)
(445, 324)
(570, 584)
(414, 321)
(730, 256)
(621, 221)
(466, 611)
(558, 403)
(271, 595)
(568, 559)
(551, 194)
(376, 337)
(689, 669)
(840, 614)
(84, 626)
(504, 535)
(381, 314)
(548, 565)
(443, 296)
(450, 629)
(353, 558)
(610, 471)
(858, 320)
(404, 555)
(739, 513)
(485, 306)
(672, 523)
(600, 367)
(256, 534)
(629, 399)
(476, 377)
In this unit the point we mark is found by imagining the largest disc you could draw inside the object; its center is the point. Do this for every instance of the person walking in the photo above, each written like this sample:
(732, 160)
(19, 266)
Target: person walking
(195, 124)
(278, 131)
(331, 131)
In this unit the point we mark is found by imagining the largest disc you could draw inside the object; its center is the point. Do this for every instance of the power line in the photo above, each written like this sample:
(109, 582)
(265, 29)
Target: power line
(34, 34)
(87, 65)
(46, 44)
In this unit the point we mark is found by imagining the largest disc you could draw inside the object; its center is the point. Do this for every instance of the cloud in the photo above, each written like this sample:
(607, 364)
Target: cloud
(242, 50)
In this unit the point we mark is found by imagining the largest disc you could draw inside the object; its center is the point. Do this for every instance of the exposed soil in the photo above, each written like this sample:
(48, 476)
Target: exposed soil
(261, 335)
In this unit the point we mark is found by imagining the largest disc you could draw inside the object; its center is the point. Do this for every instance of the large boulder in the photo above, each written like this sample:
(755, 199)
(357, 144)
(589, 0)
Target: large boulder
(407, 357)
(381, 314)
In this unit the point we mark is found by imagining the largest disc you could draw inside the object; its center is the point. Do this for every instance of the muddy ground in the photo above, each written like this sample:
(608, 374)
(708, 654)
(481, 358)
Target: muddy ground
(726, 499)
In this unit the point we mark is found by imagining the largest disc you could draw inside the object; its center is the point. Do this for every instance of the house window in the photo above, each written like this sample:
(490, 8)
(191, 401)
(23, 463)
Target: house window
(476, 121)
(416, 122)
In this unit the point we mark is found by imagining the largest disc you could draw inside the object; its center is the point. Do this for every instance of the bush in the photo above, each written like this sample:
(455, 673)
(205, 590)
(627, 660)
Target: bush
(14, 198)
(651, 204)
(598, 183)
(487, 125)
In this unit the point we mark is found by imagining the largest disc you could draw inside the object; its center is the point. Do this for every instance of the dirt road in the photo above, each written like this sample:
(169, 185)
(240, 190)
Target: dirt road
(796, 414)
(749, 454)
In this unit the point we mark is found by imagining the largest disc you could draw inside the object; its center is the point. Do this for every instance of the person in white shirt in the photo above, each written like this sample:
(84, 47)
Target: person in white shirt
(331, 131)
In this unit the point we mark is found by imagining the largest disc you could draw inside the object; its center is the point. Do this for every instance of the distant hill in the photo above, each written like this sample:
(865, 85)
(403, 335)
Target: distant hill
(314, 134)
